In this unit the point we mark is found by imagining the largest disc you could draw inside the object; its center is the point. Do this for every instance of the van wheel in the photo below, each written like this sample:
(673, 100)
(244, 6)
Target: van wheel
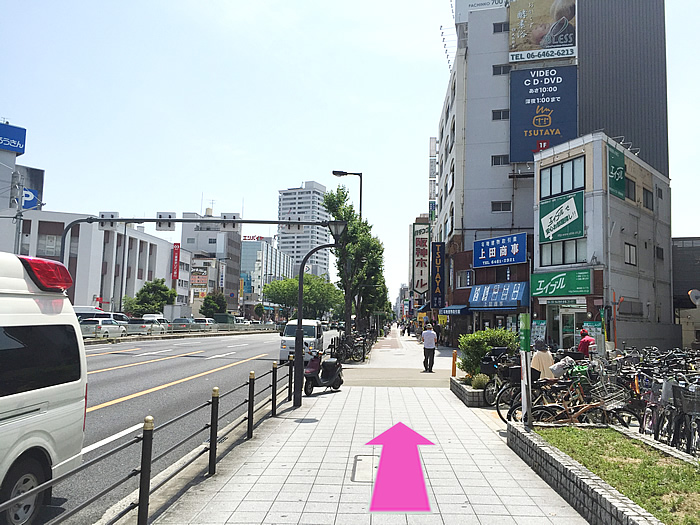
(106, 336)
(22, 477)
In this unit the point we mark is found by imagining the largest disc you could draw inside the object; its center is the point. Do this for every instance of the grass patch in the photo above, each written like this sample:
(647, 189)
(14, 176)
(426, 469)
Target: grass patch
(665, 486)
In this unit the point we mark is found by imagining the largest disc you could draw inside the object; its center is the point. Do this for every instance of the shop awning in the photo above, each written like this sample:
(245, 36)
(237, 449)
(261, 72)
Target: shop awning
(457, 309)
(499, 296)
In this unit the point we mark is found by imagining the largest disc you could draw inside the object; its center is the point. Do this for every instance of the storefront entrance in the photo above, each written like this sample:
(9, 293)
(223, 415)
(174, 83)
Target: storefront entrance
(564, 324)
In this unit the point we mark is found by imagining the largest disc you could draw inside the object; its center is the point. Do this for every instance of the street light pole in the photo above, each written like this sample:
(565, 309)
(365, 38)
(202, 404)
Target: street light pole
(345, 173)
(337, 228)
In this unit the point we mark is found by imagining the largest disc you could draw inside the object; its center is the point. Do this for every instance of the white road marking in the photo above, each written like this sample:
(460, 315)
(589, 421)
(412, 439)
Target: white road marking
(153, 353)
(112, 438)
(220, 355)
(235, 346)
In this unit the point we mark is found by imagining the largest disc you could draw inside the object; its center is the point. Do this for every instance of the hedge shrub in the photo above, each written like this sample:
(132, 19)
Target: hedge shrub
(473, 347)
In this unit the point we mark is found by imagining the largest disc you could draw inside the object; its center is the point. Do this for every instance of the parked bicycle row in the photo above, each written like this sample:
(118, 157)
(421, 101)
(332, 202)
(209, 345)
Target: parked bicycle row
(656, 392)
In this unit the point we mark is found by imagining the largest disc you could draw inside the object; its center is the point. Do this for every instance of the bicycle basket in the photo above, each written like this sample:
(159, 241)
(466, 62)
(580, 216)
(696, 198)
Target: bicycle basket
(612, 395)
(488, 367)
(686, 399)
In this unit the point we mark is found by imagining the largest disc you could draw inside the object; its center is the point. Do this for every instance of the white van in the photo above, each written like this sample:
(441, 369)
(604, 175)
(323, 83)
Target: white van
(43, 381)
(313, 337)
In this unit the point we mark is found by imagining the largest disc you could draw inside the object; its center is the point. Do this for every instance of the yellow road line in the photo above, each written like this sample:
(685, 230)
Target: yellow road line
(114, 352)
(144, 362)
(161, 387)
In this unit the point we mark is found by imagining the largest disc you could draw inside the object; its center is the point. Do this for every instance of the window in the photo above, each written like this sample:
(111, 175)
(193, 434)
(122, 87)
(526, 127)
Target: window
(48, 245)
(659, 193)
(33, 357)
(212, 241)
(501, 27)
(503, 274)
(500, 114)
(501, 69)
(499, 160)
(571, 251)
(631, 254)
(660, 253)
(465, 278)
(648, 198)
(562, 178)
(500, 206)
(630, 189)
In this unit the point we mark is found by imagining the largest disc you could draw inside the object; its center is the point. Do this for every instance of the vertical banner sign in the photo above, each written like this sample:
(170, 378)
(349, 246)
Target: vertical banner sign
(616, 173)
(543, 109)
(176, 261)
(542, 29)
(437, 275)
(421, 240)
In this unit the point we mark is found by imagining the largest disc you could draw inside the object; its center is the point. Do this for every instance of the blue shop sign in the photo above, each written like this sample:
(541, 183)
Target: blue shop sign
(499, 296)
(507, 249)
(12, 138)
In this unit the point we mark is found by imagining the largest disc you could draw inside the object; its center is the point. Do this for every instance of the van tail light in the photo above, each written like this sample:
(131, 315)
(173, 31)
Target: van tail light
(50, 276)
(85, 412)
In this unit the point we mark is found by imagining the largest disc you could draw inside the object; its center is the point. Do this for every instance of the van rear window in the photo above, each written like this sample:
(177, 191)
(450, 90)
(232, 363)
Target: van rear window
(33, 357)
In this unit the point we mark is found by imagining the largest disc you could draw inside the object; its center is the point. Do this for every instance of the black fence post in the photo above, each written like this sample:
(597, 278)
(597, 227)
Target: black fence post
(251, 402)
(290, 375)
(213, 429)
(364, 349)
(274, 388)
(145, 480)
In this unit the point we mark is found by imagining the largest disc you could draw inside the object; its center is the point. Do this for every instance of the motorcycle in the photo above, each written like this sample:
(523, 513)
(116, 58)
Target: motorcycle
(328, 373)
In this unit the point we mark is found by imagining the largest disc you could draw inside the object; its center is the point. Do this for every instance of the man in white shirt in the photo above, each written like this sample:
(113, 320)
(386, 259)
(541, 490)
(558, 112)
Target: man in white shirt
(429, 339)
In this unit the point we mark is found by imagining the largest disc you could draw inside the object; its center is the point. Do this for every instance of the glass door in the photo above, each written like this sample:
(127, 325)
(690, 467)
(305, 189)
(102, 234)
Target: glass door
(568, 329)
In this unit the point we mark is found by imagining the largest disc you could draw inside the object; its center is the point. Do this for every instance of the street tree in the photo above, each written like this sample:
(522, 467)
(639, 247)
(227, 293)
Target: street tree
(319, 296)
(214, 303)
(150, 299)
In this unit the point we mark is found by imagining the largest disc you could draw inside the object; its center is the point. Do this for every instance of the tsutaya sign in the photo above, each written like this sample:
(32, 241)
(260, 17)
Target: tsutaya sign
(420, 257)
(561, 217)
(437, 275)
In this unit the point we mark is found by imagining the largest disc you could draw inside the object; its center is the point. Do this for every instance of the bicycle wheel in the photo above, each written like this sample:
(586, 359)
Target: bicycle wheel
(665, 427)
(695, 438)
(595, 416)
(490, 392)
(504, 399)
(684, 437)
(650, 422)
(543, 414)
(627, 418)
(357, 353)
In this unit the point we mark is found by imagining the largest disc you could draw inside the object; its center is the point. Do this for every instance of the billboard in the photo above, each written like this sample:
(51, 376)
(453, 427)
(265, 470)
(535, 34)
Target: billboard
(497, 251)
(176, 261)
(463, 7)
(616, 173)
(437, 275)
(420, 255)
(552, 284)
(541, 29)
(543, 109)
(12, 138)
(561, 218)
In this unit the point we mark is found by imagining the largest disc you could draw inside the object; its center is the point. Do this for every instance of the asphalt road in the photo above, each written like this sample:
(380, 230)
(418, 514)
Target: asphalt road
(130, 380)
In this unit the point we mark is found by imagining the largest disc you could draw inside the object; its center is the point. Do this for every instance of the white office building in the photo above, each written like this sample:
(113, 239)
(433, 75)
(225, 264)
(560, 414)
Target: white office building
(305, 204)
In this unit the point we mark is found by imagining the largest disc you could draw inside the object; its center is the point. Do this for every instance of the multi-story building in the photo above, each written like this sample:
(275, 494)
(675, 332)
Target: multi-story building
(262, 263)
(686, 282)
(526, 78)
(220, 249)
(304, 204)
(602, 246)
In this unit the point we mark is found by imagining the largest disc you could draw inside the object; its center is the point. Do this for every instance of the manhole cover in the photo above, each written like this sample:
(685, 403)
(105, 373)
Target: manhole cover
(364, 468)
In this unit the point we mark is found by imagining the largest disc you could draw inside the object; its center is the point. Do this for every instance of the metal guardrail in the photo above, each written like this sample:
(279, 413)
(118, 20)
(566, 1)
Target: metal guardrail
(147, 437)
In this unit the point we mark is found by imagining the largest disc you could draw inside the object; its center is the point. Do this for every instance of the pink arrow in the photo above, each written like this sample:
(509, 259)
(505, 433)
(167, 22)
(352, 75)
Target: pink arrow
(400, 486)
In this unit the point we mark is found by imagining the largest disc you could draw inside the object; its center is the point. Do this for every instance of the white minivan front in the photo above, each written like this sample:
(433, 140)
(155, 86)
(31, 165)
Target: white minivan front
(313, 339)
(43, 381)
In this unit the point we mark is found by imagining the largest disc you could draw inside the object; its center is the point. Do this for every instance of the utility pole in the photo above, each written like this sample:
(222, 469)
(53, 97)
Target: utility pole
(16, 195)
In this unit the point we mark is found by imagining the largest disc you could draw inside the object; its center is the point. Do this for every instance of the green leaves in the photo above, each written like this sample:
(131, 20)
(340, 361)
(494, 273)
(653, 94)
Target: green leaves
(150, 299)
(214, 303)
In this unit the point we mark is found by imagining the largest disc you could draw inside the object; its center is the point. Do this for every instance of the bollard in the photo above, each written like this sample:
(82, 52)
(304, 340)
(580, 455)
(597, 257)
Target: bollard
(364, 349)
(145, 479)
(251, 402)
(274, 388)
(289, 381)
(454, 363)
(213, 429)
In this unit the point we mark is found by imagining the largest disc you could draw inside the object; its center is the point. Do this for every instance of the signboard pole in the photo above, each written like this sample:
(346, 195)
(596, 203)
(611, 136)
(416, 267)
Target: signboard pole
(525, 375)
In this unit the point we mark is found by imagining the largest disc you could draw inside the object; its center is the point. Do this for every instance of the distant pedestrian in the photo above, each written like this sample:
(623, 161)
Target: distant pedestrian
(438, 331)
(429, 340)
(542, 360)
(585, 342)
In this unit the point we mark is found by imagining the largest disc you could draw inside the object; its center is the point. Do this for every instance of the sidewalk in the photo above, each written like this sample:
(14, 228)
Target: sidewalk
(311, 465)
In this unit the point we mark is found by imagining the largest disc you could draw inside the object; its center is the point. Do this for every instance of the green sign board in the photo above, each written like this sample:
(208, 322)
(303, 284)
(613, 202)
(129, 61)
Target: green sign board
(574, 282)
(525, 333)
(616, 173)
(561, 217)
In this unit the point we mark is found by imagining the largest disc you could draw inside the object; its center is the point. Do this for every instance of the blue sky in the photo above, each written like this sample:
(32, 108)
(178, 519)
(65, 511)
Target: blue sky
(176, 105)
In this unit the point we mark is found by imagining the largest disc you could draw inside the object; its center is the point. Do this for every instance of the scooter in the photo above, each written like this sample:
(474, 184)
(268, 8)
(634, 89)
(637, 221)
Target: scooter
(328, 373)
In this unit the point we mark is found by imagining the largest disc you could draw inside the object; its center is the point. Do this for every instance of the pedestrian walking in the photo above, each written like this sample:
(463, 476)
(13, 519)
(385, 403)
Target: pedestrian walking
(429, 339)
(438, 331)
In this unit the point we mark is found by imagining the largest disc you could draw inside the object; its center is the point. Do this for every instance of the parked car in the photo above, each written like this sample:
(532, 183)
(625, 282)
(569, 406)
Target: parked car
(102, 328)
(313, 339)
(207, 324)
(145, 327)
(185, 324)
(43, 381)
(116, 316)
